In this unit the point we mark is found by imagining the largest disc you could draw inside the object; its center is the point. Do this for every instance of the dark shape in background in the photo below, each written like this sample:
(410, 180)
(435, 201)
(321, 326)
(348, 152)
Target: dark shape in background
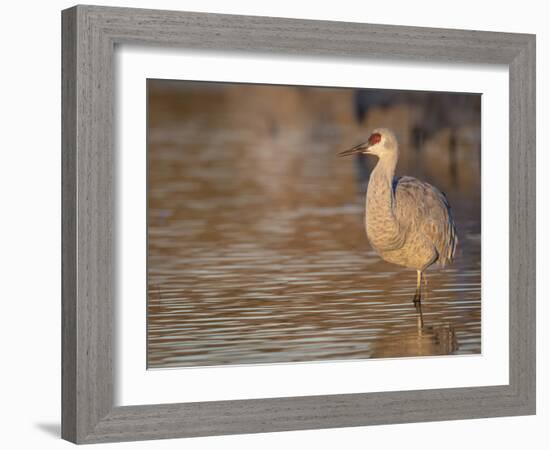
(437, 113)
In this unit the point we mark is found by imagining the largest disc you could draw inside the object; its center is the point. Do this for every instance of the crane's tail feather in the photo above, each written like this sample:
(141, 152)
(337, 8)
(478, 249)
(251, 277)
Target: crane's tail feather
(450, 240)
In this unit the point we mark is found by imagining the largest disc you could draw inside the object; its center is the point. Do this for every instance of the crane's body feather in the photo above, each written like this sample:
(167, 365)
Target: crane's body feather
(408, 221)
(424, 210)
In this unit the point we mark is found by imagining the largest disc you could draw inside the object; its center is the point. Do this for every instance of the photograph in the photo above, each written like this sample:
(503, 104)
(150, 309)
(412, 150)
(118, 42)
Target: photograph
(275, 225)
(300, 223)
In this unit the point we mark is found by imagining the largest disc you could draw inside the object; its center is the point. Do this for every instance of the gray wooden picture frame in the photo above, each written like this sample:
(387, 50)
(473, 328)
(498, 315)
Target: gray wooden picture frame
(90, 34)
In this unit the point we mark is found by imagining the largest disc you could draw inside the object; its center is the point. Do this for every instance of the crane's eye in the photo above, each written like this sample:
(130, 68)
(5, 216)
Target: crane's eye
(374, 138)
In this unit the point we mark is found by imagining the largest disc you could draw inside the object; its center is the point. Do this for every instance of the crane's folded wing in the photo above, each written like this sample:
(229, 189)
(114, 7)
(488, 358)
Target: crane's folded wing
(421, 207)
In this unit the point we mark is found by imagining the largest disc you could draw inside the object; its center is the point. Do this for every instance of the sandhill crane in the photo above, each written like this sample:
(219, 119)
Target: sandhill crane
(408, 221)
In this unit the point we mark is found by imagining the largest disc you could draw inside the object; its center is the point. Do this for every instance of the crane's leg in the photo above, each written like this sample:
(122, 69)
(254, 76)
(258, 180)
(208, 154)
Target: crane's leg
(418, 294)
(425, 278)
(418, 297)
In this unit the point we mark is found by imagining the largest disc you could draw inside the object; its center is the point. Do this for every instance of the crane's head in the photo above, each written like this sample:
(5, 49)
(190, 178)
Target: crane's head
(382, 143)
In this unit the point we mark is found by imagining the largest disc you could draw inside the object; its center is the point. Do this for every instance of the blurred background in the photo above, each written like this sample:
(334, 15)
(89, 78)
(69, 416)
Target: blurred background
(256, 245)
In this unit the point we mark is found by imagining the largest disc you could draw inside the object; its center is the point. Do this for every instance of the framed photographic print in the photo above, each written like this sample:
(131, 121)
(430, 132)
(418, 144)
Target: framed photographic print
(278, 224)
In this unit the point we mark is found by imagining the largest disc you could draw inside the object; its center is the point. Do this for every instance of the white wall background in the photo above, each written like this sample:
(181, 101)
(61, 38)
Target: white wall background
(30, 237)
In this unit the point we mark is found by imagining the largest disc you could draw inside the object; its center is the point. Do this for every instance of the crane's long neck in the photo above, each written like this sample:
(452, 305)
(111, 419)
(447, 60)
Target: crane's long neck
(381, 224)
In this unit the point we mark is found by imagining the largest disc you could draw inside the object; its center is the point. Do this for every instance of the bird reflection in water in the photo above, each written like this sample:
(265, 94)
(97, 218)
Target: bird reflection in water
(429, 340)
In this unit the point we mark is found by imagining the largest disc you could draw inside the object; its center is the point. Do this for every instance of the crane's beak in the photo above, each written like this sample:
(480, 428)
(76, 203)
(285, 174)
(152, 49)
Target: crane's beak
(357, 149)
